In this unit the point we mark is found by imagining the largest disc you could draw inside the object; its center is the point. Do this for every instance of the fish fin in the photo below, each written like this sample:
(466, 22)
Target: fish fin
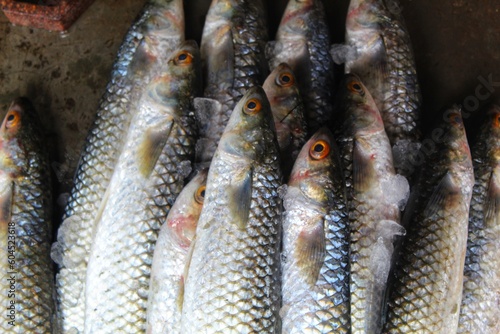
(6, 194)
(445, 188)
(221, 60)
(362, 173)
(151, 146)
(100, 211)
(383, 71)
(240, 197)
(311, 250)
(184, 278)
(492, 201)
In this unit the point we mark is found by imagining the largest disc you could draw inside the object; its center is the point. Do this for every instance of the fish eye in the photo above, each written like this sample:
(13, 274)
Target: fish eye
(184, 58)
(252, 107)
(356, 87)
(199, 196)
(319, 150)
(13, 118)
(286, 79)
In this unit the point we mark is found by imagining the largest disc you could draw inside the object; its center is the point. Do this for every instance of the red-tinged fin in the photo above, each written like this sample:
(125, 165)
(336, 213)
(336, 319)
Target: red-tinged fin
(362, 168)
(441, 195)
(492, 201)
(240, 195)
(311, 251)
(150, 148)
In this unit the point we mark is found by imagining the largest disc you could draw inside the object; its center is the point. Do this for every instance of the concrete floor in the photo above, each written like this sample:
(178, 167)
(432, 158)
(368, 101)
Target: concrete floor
(456, 43)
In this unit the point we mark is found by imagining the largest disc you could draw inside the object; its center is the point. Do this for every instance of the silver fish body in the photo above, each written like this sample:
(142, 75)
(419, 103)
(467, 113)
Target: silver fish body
(288, 112)
(149, 175)
(385, 63)
(426, 294)
(232, 49)
(232, 283)
(148, 43)
(479, 312)
(170, 256)
(302, 41)
(315, 257)
(27, 297)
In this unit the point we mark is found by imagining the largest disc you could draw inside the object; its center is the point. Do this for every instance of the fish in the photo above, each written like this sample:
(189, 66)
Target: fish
(169, 259)
(315, 256)
(426, 288)
(27, 298)
(158, 30)
(150, 173)
(479, 312)
(383, 59)
(378, 197)
(302, 41)
(289, 114)
(233, 58)
(233, 282)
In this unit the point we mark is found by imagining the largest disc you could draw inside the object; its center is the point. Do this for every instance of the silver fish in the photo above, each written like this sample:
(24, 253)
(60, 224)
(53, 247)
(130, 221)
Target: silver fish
(302, 41)
(315, 257)
(158, 31)
(170, 255)
(480, 311)
(232, 283)
(27, 280)
(149, 175)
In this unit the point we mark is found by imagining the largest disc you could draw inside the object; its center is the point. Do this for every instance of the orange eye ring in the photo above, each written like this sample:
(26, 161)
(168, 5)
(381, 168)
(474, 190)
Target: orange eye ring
(252, 107)
(183, 58)
(285, 79)
(199, 196)
(12, 119)
(356, 87)
(319, 150)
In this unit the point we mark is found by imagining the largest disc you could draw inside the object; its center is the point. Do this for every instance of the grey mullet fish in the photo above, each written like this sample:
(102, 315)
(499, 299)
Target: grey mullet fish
(149, 175)
(383, 59)
(232, 49)
(480, 310)
(303, 41)
(170, 256)
(158, 30)
(427, 288)
(232, 284)
(27, 279)
(378, 196)
(315, 257)
(288, 112)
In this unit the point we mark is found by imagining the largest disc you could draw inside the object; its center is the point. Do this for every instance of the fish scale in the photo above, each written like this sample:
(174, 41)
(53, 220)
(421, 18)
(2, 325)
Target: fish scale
(232, 283)
(150, 173)
(479, 312)
(427, 286)
(26, 202)
(148, 36)
(243, 23)
(316, 294)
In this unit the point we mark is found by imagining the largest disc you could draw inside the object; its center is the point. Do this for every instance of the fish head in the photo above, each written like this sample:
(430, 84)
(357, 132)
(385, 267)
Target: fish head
(249, 122)
(184, 214)
(18, 134)
(313, 170)
(286, 104)
(359, 108)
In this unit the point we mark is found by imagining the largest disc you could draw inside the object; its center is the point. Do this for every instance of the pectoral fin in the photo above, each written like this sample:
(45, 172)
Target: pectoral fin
(362, 169)
(311, 251)
(150, 148)
(6, 194)
(240, 197)
(492, 201)
(441, 195)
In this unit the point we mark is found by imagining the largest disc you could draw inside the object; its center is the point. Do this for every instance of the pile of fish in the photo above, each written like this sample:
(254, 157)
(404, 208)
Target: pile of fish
(235, 188)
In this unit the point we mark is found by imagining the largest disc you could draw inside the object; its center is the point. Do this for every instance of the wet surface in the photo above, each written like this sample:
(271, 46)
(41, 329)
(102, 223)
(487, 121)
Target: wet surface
(456, 44)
